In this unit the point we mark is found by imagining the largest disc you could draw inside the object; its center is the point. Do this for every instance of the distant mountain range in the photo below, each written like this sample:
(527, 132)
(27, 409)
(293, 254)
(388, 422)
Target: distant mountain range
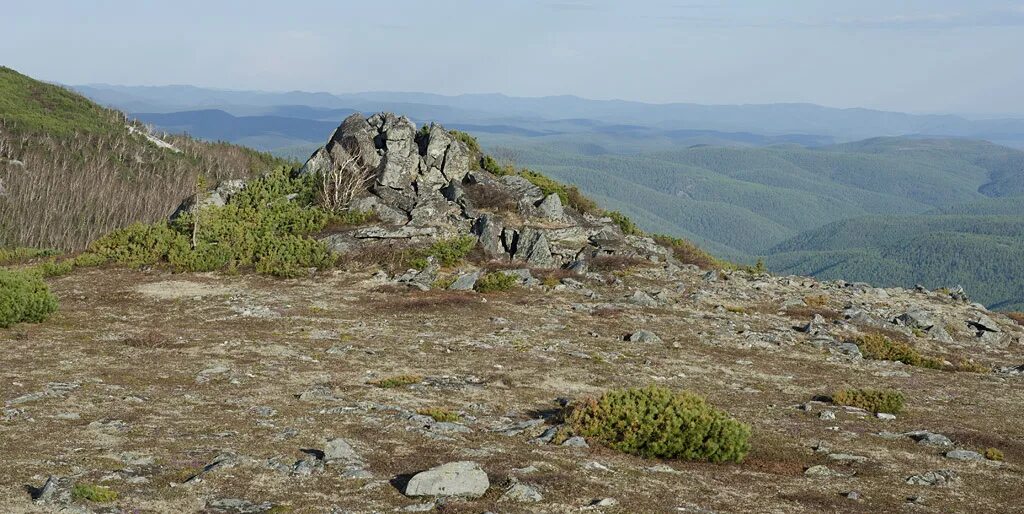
(863, 195)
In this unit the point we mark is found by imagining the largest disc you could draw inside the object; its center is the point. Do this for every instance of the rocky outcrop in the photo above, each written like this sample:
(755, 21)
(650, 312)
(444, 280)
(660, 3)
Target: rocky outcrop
(418, 191)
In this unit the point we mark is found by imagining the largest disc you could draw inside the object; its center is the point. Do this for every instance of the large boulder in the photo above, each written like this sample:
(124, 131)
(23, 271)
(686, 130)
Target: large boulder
(465, 479)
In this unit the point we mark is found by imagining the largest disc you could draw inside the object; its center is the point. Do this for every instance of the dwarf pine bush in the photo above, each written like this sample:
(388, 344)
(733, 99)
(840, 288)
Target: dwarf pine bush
(873, 400)
(265, 227)
(496, 281)
(24, 297)
(658, 422)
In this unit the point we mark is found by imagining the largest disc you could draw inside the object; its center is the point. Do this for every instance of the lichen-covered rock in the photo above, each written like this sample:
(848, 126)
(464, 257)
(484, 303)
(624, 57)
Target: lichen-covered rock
(463, 478)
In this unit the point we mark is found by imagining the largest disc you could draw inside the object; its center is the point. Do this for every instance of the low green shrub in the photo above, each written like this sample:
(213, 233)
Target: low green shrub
(265, 226)
(24, 297)
(441, 414)
(994, 454)
(93, 493)
(89, 260)
(628, 227)
(495, 282)
(54, 268)
(658, 422)
(490, 164)
(569, 195)
(873, 400)
(880, 347)
(689, 253)
(447, 252)
(397, 381)
(21, 254)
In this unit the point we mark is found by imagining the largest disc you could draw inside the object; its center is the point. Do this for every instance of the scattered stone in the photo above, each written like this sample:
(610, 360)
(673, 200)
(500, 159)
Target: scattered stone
(821, 471)
(853, 495)
(465, 282)
(463, 478)
(937, 478)
(237, 506)
(643, 336)
(576, 442)
(643, 299)
(827, 415)
(521, 493)
(964, 455)
(846, 457)
(929, 438)
(340, 451)
(885, 416)
(604, 502)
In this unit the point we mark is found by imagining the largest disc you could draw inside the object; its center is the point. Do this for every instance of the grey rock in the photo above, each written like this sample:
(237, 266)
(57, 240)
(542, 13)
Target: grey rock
(827, 415)
(916, 319)
(521, 493)
(489, 231)
(936, 478)
(403, 232)
(983, 323)
(339, 450)
(821, 471)
(531, 246)
(522, 187)
(48, 491)
(885, 416)
(551, 208)
(929, 438)
(643, 336)
(464, 478)
(465, 282)
(643, 299)
(576, 442)
(237, 506)
(964, 455)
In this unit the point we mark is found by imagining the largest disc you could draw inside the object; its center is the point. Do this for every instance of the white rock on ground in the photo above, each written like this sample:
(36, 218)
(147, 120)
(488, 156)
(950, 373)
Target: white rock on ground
(463, 478)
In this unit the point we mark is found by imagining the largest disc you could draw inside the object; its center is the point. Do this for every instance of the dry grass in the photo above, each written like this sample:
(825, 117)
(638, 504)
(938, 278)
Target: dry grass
(1017, 317)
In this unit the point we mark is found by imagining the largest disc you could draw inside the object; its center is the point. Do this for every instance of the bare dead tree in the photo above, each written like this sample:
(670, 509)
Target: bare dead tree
(341, 184)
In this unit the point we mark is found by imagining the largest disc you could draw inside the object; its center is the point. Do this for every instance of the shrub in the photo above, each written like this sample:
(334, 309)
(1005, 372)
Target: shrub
(880, 347)
(93, 493)
(24, 297)
(264, 226)
(873, 400)
(21, 254)
(137, 245)
(449, 252)
(397, 381)
(441, 415)
(628, 227)
(490, 164)
(88, 260)
(471, 143)
(54, 268)
(496, 281)
(569, 195)
(993, 454)
(658, 422)
(688, 253)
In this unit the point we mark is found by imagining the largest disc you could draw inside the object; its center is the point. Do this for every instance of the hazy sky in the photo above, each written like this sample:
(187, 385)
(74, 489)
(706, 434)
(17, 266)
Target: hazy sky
(912, 55)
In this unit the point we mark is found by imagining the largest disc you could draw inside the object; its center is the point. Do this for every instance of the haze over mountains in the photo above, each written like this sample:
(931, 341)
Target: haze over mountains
(857, 194)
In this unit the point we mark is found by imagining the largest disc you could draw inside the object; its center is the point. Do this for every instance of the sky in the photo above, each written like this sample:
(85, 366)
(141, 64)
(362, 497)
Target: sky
(912, 56)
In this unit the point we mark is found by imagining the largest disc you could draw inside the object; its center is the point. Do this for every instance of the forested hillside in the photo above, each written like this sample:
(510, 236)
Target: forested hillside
(71, 170)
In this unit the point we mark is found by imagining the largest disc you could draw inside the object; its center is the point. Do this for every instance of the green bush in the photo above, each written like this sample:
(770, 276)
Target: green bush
(397, 381)
(449, 252)
(495, 282)
(658, 422)
(689, 253)
(24, 297)
(265, 226)
(93, 493)
(137, 245)
(22, 254)
(994, 454)
(490, 164)
(441, 414)
(874, 400)
(88, 260)
(880, 347)
(628, 227)
(54, 268)
(569, 195)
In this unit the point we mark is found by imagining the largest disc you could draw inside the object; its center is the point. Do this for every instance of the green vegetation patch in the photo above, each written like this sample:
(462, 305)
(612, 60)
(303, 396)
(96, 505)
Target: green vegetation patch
(447, 252)
(21, 255)
(873, 400)
(24, 297)
(265, 227)
(880, 347)
(93, 493)
(994, 454)
(495, 282)
(569, 195)
(397, 381)
(689, 253)
(658, 422)
(441, 415)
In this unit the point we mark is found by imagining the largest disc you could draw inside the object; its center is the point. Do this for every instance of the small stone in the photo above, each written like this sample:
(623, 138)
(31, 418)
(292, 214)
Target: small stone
(885, 416)
(464, 478)
(964, 455)
(576, 442)
(827, 415)
(937, 478)
(521, 493)
(605, 502)
(643, 336)
(929, 438)
(340, 450)
(465, 282)
(820, 471)
(853, 495)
